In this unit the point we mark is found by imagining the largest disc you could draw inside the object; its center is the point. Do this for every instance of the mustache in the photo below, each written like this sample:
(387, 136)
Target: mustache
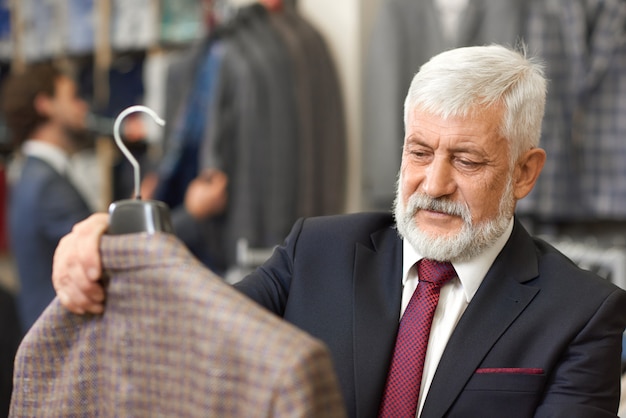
(420, 201)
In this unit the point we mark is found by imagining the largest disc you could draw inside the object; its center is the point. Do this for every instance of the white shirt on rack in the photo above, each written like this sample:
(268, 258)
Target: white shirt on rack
(454, 298)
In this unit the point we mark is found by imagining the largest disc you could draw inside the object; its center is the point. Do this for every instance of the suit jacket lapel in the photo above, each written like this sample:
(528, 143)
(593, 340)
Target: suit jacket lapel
(377, 296)
(499, 301)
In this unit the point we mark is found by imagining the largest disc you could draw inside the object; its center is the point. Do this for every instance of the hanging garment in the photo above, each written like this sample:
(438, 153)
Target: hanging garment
(179, 80)
(253, 134)
(78, 25)
(582, 44)
(235, 141)
(134, 24)
(180, 164)
(326, 156)
(192, 80)
(303, 74)
(41, 37)
(174, 340)
(280, 173)
(273, 122)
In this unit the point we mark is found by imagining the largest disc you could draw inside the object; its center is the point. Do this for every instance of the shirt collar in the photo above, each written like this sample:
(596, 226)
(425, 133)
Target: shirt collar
(51, 154)
(471, 273)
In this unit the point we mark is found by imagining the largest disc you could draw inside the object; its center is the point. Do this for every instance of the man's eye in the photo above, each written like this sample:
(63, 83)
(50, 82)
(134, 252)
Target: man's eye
(419, 153)
(468, 163)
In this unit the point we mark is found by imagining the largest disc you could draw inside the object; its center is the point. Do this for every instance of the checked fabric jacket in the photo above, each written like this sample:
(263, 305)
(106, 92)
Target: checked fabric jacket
(174, 341)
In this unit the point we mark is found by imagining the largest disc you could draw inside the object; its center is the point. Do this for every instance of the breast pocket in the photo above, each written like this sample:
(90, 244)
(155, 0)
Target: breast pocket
(499, 394)
(515, 380)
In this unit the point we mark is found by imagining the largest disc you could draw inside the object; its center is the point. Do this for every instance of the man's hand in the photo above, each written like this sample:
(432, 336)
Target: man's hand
(76, 267)
(206, 195)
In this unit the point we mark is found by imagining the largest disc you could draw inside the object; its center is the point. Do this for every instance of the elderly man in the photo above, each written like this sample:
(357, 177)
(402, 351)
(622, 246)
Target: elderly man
(448, 308)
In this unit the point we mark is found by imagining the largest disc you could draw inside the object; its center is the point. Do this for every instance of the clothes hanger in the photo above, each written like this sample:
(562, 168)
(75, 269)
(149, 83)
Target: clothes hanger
(135, 215)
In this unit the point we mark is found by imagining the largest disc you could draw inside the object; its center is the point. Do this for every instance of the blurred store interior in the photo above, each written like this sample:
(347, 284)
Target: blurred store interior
(340, 104)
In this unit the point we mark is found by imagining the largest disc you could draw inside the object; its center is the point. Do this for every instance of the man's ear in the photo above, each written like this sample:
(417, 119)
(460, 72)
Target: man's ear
(42, 104)
(527, 170)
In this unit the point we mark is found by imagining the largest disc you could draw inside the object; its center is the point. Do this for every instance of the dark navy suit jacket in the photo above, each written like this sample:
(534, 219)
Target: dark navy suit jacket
(541, 337)
(43, 207)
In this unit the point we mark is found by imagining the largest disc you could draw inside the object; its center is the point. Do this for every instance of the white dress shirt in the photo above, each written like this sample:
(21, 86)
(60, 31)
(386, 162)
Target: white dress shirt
(51, 154)
(453, 300)
(81, 169)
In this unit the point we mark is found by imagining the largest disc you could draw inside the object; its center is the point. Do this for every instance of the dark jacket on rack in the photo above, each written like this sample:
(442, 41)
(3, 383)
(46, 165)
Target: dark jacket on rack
(276, 131)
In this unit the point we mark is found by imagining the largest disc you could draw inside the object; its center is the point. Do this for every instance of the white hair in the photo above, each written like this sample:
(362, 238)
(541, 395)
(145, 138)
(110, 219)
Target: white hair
(459, 81)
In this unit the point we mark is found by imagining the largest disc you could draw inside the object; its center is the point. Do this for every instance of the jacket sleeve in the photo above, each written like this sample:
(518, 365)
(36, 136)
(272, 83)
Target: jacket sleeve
(269, 284)
(586, 382)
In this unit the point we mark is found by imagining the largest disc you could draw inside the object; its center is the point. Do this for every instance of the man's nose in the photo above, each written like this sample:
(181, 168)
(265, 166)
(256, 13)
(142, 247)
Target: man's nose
(439, 180)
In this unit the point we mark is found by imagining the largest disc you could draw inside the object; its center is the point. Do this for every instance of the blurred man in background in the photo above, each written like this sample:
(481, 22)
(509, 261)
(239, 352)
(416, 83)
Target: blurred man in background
(46, 119)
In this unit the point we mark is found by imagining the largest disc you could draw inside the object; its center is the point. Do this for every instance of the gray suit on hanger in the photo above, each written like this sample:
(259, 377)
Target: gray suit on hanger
(322, 142)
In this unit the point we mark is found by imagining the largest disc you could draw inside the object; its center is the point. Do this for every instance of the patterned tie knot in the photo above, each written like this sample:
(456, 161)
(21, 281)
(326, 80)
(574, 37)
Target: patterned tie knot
(435, 272)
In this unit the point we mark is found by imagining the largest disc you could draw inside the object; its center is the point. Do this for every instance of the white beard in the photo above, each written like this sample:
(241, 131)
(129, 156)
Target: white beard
(469, 242)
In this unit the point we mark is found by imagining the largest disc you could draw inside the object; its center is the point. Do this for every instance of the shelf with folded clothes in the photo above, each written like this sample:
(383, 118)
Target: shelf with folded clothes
(35, 30)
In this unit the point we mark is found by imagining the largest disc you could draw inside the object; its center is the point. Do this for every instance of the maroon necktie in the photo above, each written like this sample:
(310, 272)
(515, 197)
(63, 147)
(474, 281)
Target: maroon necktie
(405, 374)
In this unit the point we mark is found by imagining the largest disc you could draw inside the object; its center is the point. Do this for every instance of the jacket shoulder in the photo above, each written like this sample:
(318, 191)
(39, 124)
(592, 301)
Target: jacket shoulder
(552, 258)
(361, 224)
(335, 236)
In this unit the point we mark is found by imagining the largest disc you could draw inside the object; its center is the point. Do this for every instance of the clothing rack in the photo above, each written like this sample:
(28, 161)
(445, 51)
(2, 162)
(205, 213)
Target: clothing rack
(259, 99)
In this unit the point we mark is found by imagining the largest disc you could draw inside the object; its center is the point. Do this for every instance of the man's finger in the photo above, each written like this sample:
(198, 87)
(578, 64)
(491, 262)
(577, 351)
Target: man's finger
(77, 302)
(88, 235)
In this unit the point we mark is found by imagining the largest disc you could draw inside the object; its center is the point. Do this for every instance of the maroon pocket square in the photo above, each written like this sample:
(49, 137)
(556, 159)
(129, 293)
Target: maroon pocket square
(510, 370)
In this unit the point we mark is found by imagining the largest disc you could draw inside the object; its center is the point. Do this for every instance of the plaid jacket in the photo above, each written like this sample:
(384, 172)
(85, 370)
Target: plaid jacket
(174, 341)
(583, 44)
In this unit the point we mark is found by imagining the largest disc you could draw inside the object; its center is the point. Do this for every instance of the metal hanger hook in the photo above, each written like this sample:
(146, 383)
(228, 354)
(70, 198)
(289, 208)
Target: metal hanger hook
(118, 140)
